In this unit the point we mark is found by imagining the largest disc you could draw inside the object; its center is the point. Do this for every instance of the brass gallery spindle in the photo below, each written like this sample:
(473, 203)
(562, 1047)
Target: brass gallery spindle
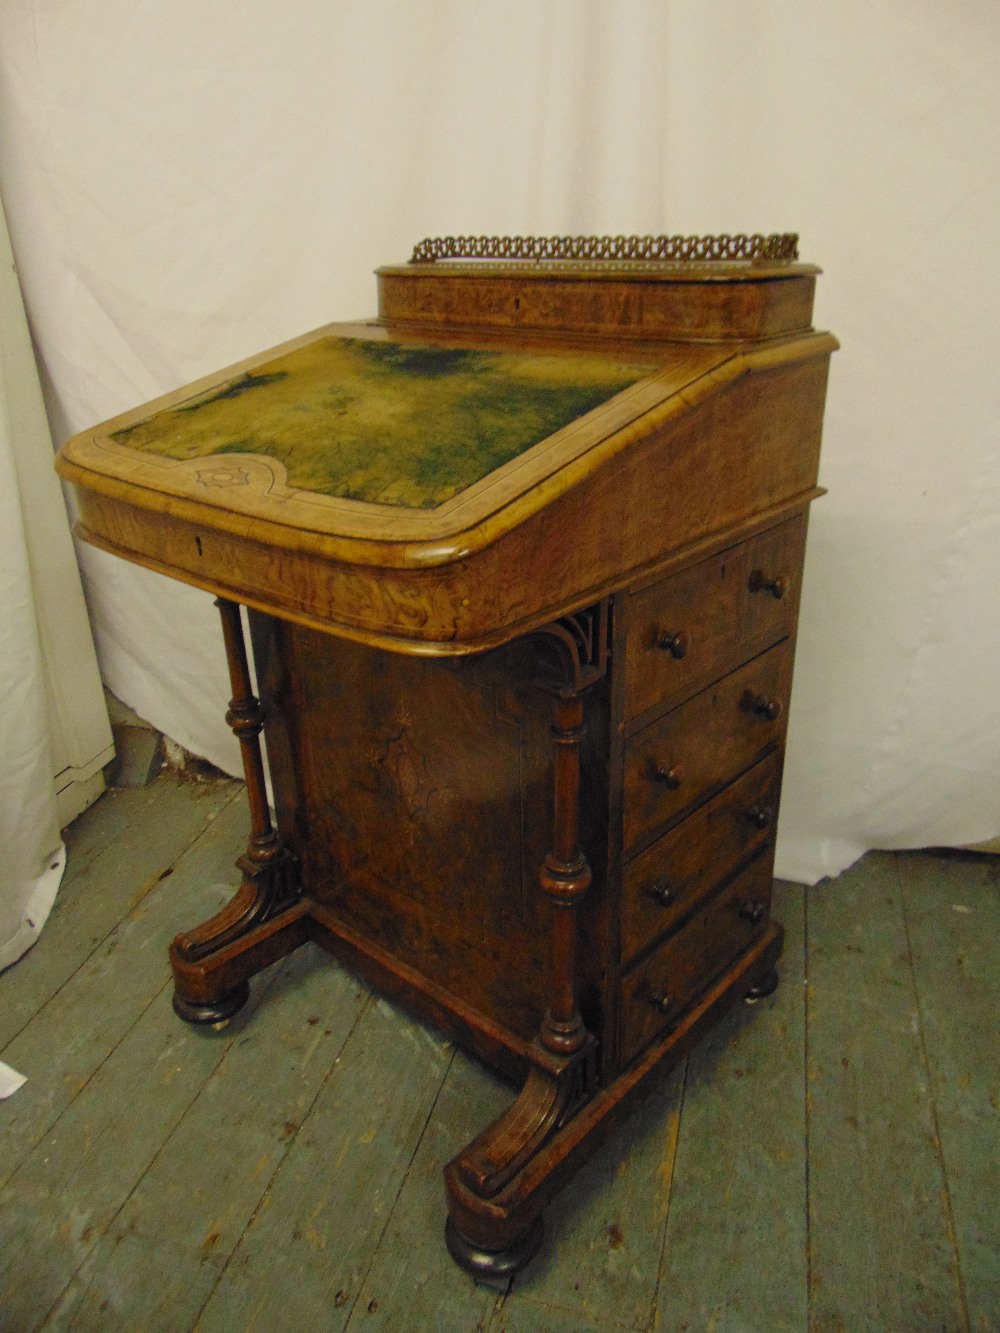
(589, 249)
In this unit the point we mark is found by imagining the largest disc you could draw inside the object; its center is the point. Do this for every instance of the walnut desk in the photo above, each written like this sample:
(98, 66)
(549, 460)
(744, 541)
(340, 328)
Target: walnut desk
(522, 560)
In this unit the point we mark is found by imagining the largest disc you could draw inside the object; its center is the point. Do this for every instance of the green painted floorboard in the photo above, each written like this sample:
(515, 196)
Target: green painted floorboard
(522, 1316)
(735, 1252)
(412, 1282)
(882, 1256)
(285, 1173)
(116, 853)
(952, 911)
(71, 1036)
(157, 1264)
(330, 1201)
(70, 1189)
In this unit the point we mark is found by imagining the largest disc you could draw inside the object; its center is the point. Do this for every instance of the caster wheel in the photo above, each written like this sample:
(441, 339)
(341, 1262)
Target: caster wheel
(494, 1265)
(216, 1012)
(767, 985)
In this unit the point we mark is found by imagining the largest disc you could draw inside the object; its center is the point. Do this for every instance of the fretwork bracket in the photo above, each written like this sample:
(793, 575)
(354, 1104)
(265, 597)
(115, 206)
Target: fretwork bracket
(578, 649)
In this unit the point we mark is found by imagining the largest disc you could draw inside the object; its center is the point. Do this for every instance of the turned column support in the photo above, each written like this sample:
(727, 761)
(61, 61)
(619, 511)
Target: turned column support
(580, 652)
(495, 1225)
(266, 862)
(211, 963)
(564, 878)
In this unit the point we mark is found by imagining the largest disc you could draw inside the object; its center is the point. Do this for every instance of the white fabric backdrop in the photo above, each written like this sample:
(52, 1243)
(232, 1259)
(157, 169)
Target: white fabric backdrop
(32, 857)
(188, 184)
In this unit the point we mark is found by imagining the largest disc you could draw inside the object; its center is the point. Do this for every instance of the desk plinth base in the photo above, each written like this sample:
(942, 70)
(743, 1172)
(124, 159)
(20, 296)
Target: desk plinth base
(487, 1233)
(500, 1184)
(562, 1115)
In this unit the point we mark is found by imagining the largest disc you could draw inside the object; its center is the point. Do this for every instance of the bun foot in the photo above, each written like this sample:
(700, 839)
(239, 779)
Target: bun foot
(212, 1012)
(767, 985)
(494, 1265)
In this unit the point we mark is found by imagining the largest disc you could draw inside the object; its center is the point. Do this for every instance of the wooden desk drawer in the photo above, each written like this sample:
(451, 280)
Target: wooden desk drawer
(692, 625)
(657, 992)
(700, 746)
(666, 881)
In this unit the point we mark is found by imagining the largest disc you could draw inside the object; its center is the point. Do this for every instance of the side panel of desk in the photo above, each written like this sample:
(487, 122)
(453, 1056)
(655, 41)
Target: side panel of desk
(416, 794)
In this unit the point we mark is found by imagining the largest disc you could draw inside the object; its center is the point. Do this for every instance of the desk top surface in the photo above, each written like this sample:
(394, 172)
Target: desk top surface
(361, 434)
(499, 444)
(408, 424)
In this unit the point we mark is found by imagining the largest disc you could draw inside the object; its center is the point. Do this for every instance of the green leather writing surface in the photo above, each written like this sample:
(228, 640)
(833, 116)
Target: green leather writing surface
(408, 424)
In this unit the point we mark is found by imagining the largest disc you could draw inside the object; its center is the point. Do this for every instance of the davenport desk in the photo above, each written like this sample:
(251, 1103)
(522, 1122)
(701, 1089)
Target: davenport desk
(522, 561)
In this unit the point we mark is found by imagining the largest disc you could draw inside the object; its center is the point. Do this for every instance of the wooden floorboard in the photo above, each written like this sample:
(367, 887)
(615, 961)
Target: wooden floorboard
(159, 1262)
(826, 1160)
(412, 1282)
(604, 1233)
(117, 852)
(741, 1164)
(881, 1252)
(952, 911)
(72, 1189)
(523, 1316)
(70, 1037)
(330, 1201)
(110, 1074)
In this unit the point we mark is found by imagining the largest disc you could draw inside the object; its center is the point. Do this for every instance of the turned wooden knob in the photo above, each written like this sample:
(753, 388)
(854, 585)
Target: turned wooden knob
(674, 642)
(761, 815)
(768, 709)
(754, 912)
(661, 1001)
(777, 587)
(662, 892)
(671, 775)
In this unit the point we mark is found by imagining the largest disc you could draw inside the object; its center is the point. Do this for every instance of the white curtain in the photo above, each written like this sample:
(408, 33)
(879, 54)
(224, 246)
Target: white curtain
(33, 856)
(191, 183)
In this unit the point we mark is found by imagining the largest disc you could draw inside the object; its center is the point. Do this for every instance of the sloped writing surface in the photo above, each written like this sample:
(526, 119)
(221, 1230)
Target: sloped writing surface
(407, 424)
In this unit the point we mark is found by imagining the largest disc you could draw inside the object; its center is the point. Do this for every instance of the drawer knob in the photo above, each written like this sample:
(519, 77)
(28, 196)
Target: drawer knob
(663, 893)
(754, 912)
(768, 709)
(661, 1001)
(676, 643)
(777, 587)
(671, 775)
(761, 815)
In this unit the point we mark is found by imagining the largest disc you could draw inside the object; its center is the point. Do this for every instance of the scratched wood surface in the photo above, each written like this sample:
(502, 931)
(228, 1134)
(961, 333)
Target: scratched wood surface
(826, 1160)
